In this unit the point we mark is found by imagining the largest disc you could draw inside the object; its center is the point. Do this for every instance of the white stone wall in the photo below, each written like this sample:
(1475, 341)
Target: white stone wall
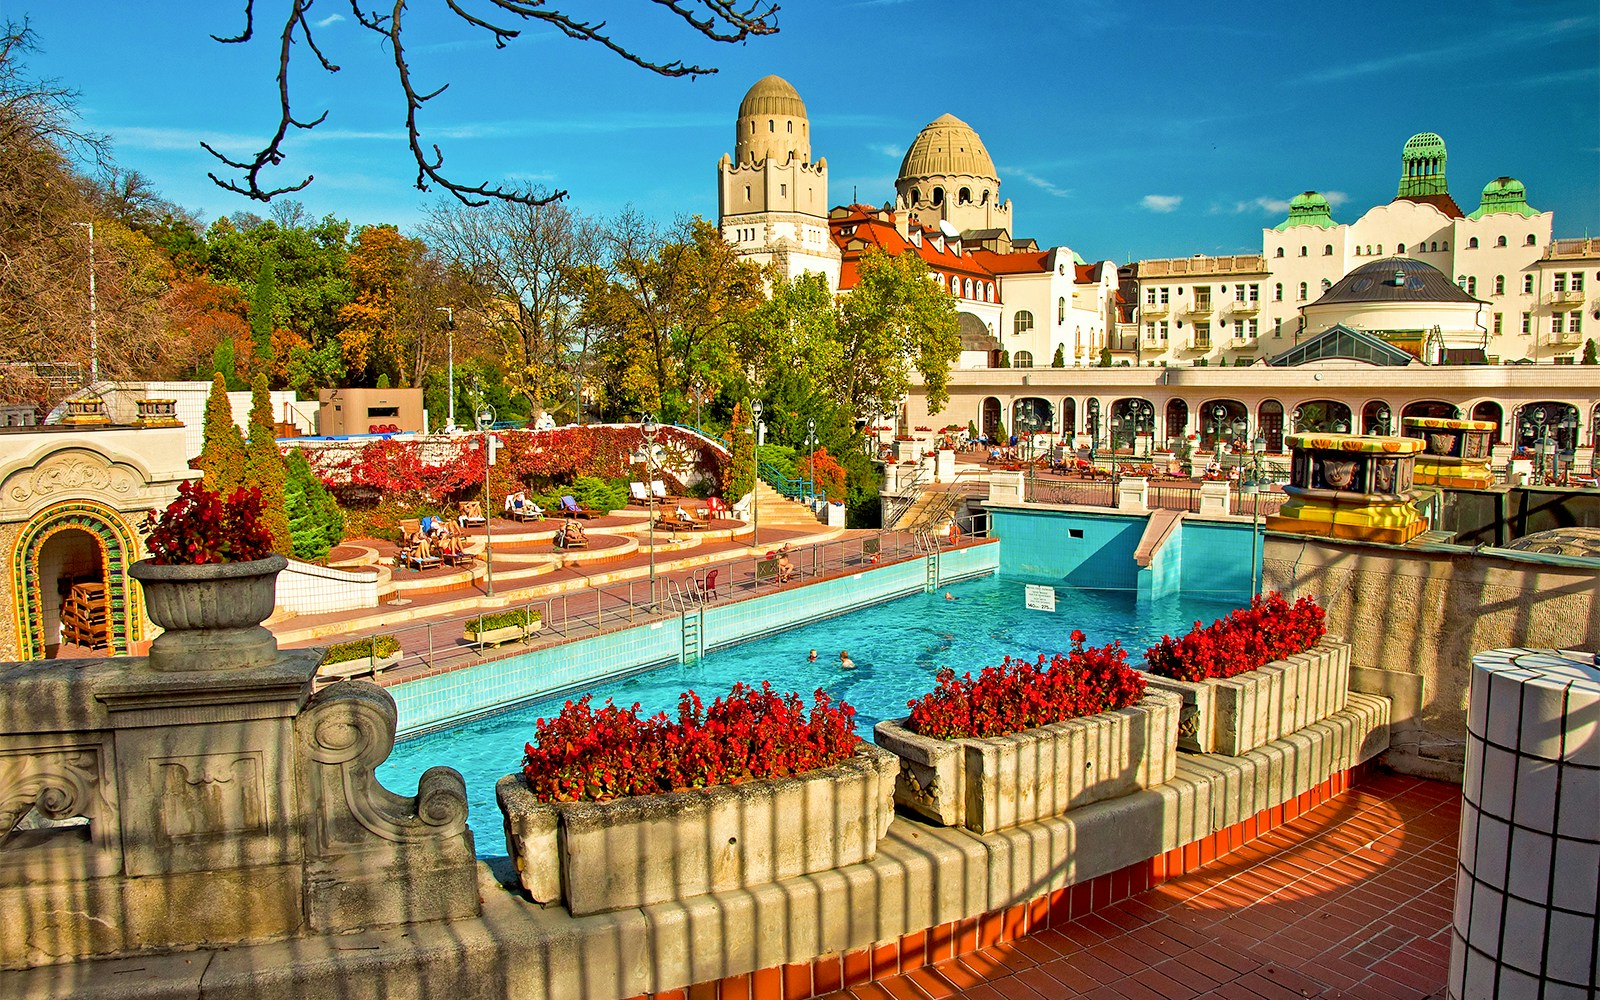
(306, 589)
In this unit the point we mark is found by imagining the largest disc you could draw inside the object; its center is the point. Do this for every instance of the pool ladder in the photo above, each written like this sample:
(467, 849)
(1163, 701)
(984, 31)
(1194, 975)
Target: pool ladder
(694, 621)
(928, 542)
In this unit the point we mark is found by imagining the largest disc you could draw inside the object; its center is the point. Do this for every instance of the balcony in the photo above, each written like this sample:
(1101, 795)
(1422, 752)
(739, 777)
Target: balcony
(1239, 307)
(1198, 307)
(1567, 336)
(1567, 295)
(1155, 310)
(1200, 342)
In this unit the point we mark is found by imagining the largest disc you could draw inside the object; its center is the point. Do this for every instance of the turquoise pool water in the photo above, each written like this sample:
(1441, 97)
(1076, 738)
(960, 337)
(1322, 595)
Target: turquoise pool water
(897, 647)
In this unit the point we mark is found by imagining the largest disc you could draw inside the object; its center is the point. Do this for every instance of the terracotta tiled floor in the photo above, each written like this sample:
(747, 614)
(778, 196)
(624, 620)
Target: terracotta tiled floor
(1352, 899)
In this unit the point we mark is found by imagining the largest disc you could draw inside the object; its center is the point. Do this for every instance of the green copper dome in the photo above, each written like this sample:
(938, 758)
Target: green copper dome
(1308, 209)
(1504, 195)
(1422, 167)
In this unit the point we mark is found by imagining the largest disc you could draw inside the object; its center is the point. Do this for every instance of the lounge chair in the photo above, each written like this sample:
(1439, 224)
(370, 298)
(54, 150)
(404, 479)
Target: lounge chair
(420, 556)
(572, 508)
(637, 493)
(471, 513)
(528, 511)
(658, 489)
(716, 508)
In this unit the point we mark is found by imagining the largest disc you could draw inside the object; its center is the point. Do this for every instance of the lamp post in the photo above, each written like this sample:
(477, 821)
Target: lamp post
(1220, 413)
(650, 429)
(1143, 413)
(811, 458)
(1536, 430)
(486, 425)
(450, 363)
(755, 483)
(1258, 449)
(1382, 414)
(1567, 444)
(94, 314)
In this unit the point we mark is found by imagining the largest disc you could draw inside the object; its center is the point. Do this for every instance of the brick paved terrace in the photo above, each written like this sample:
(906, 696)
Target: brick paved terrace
(1350, 900)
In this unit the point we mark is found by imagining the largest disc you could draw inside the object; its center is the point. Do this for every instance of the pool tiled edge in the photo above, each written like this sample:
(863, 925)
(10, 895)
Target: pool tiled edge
(426, 703)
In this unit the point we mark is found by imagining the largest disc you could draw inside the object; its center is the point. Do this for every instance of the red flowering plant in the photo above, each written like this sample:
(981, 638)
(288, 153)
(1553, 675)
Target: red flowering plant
(1269, 629)
(1018, 695)
(202, 526)
(584, 754)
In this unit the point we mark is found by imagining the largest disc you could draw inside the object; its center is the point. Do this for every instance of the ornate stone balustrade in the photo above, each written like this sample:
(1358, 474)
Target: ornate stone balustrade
(145, 810)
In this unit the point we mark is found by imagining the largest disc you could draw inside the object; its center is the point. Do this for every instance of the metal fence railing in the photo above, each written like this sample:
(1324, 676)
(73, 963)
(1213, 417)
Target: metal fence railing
(596, 610)
(1174, 498)
(1252, 504)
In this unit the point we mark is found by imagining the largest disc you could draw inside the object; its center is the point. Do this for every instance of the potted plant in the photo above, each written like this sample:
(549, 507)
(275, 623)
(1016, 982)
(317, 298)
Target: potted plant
(1027, 740)
(1258, 674)
(210, 581)
(611, 811)
(371, 655)
(502, 626)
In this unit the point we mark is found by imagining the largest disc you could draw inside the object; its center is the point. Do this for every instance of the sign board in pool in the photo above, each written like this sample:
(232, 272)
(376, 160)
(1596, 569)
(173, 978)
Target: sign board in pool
(1040, 597)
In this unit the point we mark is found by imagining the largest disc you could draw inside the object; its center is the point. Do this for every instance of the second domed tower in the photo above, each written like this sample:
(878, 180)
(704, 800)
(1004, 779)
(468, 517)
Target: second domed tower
(947, 176)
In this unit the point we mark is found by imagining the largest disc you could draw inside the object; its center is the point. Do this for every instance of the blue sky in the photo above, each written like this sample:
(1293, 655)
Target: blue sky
(1123, 130)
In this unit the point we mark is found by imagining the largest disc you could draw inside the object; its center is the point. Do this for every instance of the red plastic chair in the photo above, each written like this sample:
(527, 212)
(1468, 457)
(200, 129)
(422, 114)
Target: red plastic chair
(706, 590)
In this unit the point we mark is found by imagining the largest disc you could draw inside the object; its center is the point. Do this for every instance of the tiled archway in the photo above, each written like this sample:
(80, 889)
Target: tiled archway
(118, 548)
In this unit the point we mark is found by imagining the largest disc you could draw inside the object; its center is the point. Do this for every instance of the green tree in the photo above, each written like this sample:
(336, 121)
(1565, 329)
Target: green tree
(315, 521)
(264, 467)
(1005, 358)
(740, 475)
(1060, 360)
(1590, 354)
(263, 312)
(895, 319)
(1105, 357)
(222, 455)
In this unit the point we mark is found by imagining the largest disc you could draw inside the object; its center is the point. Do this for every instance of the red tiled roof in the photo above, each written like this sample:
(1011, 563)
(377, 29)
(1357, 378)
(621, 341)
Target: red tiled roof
(1014, 263)
(875, 227)
(1442, 202)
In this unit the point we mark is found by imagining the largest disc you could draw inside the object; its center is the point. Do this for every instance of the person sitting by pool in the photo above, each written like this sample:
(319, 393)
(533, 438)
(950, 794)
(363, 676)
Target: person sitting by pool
(514, 501)
(785, 568)
(845, 663)
(574, 533)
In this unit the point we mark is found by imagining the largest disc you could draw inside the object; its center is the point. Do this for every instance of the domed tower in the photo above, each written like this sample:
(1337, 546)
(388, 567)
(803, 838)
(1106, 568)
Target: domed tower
(1504, 194)
(1422, 166)
(947, 176)
(1309, 208)
(772, 200)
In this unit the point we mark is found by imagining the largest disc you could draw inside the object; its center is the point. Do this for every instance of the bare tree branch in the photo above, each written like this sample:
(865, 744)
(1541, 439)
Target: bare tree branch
(723, 21)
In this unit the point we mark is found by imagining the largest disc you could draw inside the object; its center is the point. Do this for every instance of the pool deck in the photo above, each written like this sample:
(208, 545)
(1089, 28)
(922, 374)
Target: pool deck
(1351, 900)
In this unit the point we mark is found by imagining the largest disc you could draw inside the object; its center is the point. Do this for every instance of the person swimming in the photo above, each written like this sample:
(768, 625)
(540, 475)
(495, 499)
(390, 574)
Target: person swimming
(813, 657)
(845, 663)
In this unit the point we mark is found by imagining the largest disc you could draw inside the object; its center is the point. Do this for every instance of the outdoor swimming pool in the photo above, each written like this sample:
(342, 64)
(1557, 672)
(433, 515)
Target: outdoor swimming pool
(897, 647)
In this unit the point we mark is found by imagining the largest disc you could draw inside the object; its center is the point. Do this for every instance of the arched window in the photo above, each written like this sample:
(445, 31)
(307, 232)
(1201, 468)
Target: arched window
(1530, 240)
(1472, 244)
(1472, 285)
(1279, 253)
(1500, 242)
(964, 196)
(967, 290)
(747, 192)
(772, 126)
(916, 196)
(1022, 359)
(1061, 310)
(1302, 291)
(985, 199)
(1445, 246)
(1277, 292)
(1435, 246)
(1357, 251)
(1330, 250)
(789, 127)
(1499, 284)
(1022, 322)
(1326, 284)
(938, 196)
(1400, 249)
(1303, 251)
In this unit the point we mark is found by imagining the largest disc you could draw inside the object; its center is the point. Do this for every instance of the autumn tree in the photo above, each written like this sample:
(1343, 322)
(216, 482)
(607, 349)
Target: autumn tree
(222, 455)
(527, 267)
(667, 312)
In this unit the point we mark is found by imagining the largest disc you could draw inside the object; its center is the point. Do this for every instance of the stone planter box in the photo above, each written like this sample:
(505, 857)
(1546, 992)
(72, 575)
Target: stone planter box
(991, 784)
(1235, 715)
(509, 633)
(600, 856)
(361, 666)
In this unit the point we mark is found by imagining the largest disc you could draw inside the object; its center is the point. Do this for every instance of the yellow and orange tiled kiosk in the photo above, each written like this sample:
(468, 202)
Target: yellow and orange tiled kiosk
(1350, 486)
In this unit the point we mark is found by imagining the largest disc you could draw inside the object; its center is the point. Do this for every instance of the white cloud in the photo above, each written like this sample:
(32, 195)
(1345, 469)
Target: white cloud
(1270, 206)
(1161, 202)
(887, 149)
(1048, 187)
(1457, 52)
(330, 19)
(1335, 198)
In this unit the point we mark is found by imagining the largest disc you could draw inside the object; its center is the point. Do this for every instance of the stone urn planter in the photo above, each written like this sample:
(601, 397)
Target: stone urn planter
(639, 850)
(1234, 715)
(211, 613)
(999, 782)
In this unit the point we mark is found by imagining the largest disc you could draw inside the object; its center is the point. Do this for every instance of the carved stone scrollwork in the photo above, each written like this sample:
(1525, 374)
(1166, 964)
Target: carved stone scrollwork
(351, 728)
(60, 785)
(81, 474)
(376, 858)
